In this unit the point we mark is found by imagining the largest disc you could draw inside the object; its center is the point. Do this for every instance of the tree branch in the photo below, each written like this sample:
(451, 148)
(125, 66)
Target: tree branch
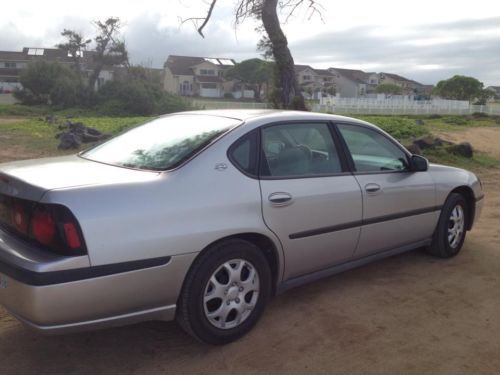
(207, 18)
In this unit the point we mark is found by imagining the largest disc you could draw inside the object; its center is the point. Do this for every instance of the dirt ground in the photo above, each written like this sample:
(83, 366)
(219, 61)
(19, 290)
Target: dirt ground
(410, 314)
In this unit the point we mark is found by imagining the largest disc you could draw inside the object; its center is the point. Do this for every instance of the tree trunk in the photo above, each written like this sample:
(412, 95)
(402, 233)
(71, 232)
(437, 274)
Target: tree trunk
(289, 90)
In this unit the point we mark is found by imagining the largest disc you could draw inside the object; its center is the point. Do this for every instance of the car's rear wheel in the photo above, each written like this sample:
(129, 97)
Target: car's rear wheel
(450, 232)
(225, 292)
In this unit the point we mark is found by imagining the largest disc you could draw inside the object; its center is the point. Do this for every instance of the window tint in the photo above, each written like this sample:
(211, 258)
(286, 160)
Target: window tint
(372, 151)
(243, 153)
(299, 150)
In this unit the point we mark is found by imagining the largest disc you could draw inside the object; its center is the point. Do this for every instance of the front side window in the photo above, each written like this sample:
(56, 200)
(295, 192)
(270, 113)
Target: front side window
(295, 150)
(372, 151)
(163, 143)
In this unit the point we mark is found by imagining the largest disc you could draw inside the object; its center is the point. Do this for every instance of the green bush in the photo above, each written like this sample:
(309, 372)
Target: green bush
(47, 82)
(399, 127)
(136, 97)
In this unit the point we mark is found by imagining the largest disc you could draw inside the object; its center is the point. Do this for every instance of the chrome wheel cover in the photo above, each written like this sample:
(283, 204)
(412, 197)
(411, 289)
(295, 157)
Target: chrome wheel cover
(231, 294)
(456, 226)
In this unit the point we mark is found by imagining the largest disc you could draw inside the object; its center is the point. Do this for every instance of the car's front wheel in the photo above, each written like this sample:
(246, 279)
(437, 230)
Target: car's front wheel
(225, 292)
(451, 229)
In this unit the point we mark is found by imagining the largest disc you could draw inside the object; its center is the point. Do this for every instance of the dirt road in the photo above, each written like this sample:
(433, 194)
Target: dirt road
(410, 314)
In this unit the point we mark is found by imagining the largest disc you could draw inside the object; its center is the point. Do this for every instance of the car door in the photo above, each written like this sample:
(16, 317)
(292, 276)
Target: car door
(309, 200)
(399, 206)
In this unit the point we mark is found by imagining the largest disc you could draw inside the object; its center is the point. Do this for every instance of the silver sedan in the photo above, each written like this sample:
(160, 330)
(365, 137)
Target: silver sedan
(203, 216)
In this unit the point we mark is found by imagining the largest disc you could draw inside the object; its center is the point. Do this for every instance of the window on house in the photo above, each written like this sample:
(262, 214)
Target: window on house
(209, 85)
(10, 64)
(207, 72)
(306, 78)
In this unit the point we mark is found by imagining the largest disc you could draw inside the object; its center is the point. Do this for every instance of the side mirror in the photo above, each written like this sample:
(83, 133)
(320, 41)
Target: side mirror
(418, 163)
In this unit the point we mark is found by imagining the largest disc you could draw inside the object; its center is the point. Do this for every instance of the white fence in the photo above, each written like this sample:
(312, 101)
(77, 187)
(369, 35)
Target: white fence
(401, 106)
(210, 104)
(393, 106)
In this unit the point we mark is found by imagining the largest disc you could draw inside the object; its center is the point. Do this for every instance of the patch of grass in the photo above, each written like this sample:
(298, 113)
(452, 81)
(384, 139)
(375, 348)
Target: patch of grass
(454, 123)
(37, 135)
(23, 110)
(480, 160)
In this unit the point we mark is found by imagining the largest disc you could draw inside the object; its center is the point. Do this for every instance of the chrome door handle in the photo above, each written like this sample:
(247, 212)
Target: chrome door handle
(372, 188)
(280, 198)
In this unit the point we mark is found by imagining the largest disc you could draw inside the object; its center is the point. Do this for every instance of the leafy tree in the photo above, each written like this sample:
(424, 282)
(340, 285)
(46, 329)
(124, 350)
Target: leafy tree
(484, 95)
(254, 72)
(75, 45)
(288, 93)
(48, 83)
(459, 88)
(389, 88)
(109, 50)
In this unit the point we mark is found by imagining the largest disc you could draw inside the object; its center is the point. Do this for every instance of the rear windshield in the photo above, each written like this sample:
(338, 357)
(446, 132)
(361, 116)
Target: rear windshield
(163, 143)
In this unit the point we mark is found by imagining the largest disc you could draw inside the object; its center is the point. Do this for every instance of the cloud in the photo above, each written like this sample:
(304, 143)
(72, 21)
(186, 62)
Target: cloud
(150, 43)
(427, 53)
(429, 62)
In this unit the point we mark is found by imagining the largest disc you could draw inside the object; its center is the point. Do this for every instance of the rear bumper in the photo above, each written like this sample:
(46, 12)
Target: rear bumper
(93, 297)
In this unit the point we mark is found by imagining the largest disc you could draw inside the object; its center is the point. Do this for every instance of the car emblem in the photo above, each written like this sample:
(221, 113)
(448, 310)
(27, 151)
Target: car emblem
(3, 283)
(220, 167)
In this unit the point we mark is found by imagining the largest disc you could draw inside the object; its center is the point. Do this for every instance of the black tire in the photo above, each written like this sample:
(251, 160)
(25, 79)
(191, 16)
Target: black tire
(440, 246)
(190, 307)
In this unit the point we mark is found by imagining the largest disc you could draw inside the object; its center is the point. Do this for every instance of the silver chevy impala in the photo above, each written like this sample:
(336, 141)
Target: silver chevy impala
(203, 216)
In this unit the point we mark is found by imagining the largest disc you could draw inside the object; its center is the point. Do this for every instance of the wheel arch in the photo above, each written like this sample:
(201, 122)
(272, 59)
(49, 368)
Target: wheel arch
(269, 248)
(470, 199)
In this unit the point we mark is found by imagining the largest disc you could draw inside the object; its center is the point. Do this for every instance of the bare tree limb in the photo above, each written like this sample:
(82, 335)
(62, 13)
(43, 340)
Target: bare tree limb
(207, 18)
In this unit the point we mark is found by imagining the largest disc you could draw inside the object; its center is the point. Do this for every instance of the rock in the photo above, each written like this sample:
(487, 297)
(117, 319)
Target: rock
(76, 127)
(69, 141)
(414, 149)
(462, 149)
(425, 143)
(88, 138)
(419, 122)
(93, 131)
(441, 142)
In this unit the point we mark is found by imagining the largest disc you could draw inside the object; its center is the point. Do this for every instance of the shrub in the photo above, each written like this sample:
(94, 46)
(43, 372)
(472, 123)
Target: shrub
(137, 97)
(228, 95)
(48, 83)
(400, 128)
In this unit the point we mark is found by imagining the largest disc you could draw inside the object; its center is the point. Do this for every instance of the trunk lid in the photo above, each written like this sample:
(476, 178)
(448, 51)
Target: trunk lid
(30, 179)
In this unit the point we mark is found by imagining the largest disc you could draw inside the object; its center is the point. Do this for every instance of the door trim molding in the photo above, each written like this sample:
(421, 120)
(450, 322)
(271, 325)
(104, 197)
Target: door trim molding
(354, 224)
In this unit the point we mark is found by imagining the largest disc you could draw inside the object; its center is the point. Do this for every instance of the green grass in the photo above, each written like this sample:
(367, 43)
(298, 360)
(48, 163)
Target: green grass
(39, 136)
(480, 160)
(30, 132)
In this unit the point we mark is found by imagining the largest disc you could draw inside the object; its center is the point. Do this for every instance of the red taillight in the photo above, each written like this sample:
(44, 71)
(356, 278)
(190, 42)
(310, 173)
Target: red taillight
(72, 236)
(43, 226)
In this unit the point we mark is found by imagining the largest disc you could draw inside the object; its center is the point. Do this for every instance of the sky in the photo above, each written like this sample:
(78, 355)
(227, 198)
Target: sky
(424, 40)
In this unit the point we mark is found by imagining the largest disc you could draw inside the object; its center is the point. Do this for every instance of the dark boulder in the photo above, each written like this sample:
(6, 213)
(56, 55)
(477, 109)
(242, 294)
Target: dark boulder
(425, 143)
(414, 149)
(69, 141)
(462, 149)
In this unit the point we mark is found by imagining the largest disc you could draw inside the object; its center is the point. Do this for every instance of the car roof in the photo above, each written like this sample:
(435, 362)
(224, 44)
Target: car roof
(275, 114)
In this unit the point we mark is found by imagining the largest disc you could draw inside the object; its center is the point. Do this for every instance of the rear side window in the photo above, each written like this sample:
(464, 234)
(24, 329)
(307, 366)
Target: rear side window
(243, 153)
